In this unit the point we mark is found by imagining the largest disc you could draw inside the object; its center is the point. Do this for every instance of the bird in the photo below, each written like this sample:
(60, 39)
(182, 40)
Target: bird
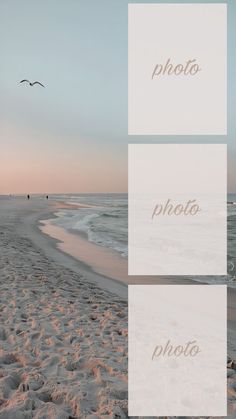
(32, 84)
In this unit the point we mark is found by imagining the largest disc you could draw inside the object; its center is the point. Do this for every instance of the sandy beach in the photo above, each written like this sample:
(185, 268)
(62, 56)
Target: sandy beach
(63, 340)
(63, 325)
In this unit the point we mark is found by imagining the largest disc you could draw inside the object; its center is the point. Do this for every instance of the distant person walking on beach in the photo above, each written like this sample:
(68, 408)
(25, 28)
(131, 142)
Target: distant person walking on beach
(28, 196)
(46, 196)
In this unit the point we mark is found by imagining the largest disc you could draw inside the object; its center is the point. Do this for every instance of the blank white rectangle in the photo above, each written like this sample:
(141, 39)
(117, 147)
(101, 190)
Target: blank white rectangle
(187, 45)
(177, 350)
(177, 242)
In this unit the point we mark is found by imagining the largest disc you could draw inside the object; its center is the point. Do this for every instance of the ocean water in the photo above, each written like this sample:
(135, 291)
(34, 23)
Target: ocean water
(105, 223)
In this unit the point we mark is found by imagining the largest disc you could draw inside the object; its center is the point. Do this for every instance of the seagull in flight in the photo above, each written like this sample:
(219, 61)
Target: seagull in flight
(32, 84)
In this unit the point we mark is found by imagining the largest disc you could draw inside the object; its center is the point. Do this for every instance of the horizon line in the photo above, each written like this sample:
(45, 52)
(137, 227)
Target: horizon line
(59, 193)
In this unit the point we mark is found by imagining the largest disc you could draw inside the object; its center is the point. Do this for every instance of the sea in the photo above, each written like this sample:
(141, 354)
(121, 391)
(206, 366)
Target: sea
(105, 222)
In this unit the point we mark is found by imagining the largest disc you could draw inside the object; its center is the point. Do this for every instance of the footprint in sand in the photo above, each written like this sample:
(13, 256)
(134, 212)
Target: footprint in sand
(3, 335)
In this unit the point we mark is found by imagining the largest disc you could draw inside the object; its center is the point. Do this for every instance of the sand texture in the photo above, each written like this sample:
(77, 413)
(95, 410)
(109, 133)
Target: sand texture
(63, 341)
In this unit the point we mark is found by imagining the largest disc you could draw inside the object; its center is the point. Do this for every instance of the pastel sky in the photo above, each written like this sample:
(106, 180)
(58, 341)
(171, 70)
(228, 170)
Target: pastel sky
(72, 135)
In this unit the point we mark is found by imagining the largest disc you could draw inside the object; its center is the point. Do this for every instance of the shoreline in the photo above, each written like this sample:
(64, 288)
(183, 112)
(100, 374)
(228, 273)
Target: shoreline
(70, 243)
(62, 323)
(51, 244)
(119, 284)
(63, 331)
(122, 281)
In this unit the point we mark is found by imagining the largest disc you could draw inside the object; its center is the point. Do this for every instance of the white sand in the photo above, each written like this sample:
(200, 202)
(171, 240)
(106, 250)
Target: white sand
(63, 328)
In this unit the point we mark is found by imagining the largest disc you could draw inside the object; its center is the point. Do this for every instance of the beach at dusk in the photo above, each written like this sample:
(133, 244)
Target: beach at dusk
(117, 186)
(64, 325)
(63, 337)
